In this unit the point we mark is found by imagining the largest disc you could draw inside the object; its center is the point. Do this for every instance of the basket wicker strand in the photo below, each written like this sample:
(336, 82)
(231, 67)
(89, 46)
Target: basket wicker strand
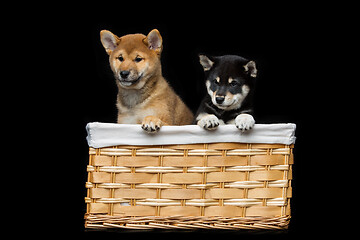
(221, 185)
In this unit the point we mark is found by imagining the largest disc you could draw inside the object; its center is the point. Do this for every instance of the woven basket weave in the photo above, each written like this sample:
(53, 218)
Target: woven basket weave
(210, 186)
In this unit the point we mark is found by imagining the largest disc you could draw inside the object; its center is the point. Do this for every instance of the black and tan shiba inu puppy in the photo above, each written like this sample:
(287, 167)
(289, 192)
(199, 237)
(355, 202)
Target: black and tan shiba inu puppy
(230, 83)
(144, 96)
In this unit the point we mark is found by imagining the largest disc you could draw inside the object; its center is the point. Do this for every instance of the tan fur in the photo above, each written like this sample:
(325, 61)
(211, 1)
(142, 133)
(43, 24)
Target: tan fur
(150, 101)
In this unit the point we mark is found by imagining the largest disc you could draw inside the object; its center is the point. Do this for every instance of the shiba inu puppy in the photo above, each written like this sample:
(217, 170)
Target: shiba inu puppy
(229, 82)
(144, 96)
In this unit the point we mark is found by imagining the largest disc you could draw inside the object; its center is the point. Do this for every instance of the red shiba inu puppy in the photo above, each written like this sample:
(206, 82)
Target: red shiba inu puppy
(144, 96)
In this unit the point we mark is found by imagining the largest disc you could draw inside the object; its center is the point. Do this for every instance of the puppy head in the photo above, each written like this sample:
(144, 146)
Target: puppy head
(228, 79)
(134, 58)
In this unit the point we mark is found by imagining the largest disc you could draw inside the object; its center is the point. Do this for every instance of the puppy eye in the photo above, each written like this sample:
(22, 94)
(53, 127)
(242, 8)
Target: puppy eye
(121, 59)
(138, 59)
(216, 82)
(234, 83)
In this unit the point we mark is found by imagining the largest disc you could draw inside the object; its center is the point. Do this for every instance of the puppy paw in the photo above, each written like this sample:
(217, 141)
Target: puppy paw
(151, 124)
(244, 122)
(209, 122)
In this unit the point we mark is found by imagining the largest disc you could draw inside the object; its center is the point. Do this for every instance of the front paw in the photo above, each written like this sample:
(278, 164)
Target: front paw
(209, 122)
(151, 124)
(244, 122)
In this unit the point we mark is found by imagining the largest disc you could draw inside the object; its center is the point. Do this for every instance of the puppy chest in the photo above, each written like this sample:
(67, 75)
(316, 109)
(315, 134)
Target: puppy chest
(133, 115)
(129, 119)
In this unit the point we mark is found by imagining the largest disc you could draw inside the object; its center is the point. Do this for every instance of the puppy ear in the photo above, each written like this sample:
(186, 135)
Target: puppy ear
(205, 62)
(250, 68)
(154, 41)
(109, 40)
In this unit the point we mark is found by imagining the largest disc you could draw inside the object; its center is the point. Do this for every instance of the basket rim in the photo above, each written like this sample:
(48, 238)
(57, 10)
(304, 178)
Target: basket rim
(111, 134)
(102, 221)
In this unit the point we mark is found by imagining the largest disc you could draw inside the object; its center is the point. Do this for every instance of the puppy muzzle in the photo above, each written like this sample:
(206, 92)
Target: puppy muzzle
(127, 79)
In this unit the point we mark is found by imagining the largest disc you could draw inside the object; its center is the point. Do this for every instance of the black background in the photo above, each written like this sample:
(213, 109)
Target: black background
(285, 41)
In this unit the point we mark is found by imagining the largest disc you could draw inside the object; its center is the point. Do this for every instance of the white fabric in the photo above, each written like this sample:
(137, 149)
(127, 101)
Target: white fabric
(111, 134)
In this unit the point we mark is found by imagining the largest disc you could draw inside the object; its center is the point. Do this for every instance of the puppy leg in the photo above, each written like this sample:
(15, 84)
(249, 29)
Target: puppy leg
(208, 121)
(151, 124)
(244, 122)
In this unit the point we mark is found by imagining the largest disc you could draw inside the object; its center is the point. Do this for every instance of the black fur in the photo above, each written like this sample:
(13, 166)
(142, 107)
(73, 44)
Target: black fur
(223, 68)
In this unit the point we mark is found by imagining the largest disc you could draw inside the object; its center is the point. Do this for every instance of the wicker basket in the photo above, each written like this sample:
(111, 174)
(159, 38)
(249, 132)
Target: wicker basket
(219, 185)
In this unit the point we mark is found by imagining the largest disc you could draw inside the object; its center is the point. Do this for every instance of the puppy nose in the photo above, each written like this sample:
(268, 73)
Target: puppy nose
(220, 99)
(124, 74)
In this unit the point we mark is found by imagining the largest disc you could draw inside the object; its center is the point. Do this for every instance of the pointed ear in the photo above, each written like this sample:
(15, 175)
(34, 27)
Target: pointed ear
(250, 68)
(205, 62)
(154, 41)
(109, 40)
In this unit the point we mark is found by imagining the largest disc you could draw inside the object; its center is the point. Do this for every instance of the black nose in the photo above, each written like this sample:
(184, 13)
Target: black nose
(124, 74)
(220, 99)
